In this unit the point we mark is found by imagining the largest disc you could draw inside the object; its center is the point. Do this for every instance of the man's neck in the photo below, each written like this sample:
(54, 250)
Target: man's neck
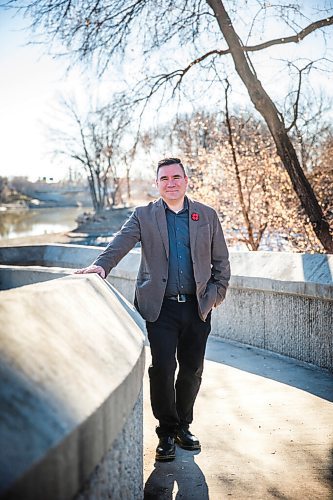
(177, 206)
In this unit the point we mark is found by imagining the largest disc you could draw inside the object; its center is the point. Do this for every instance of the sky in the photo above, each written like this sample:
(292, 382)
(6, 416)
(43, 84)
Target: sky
(31, 83)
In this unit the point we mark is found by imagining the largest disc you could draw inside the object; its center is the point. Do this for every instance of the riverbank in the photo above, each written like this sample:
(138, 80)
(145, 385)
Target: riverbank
(103, 224)
(89, 226)
(36, 240)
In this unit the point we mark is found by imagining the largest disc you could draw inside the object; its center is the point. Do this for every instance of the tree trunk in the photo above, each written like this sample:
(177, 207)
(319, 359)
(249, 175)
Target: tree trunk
(269, 112)
(99, 191)
(92, 191)
(250, 241)
(128, 183)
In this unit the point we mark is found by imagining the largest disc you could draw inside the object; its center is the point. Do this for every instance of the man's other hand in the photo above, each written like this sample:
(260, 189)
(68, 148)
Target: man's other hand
(91, 269)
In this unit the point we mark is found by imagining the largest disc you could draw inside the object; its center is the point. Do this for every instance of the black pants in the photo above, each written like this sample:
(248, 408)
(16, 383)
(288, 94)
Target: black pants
(178, 332)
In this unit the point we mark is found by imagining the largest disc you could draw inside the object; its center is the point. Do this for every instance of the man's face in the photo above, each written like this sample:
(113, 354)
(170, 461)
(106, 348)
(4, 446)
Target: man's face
(171, 183)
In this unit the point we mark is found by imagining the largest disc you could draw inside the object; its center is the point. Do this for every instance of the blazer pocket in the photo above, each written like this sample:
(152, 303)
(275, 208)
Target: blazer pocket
(209, 297)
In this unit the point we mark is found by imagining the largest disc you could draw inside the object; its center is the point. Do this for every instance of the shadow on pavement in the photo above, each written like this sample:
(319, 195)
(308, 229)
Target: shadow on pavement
(181, 478)
(276, 367)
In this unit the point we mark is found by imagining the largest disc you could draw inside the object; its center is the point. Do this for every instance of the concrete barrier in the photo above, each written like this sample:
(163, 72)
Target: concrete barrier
(16, 276)
(71, 368)
(68, 256)
(288, 320)
(281, 302)
(277, 301)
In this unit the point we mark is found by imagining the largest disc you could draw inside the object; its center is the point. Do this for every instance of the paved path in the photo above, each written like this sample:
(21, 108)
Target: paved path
(265, 424)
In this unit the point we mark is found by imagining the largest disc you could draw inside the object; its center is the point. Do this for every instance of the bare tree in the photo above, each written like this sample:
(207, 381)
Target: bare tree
(103, 30)
(311, 129)
(114, 125)
(322, 175)
(94, 140)
(233, 166)
(252, 240)
(275, 121)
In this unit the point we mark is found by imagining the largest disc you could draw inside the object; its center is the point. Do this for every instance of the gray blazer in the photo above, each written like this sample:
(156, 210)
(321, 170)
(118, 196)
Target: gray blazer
(208, 250)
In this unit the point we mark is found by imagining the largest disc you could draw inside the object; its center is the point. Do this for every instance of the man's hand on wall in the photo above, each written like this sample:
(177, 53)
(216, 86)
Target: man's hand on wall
(91, 269)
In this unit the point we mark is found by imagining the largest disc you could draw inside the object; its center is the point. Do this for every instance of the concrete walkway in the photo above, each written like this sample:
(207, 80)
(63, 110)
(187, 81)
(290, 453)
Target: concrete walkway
(266, 428)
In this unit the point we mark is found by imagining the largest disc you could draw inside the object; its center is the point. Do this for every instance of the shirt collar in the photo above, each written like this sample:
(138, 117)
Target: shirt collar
(185, 207)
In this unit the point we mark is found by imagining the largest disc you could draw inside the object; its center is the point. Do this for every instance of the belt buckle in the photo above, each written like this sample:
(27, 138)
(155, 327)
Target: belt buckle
(181, 297)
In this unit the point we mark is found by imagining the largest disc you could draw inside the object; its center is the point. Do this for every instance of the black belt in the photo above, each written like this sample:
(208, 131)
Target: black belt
(181, 297)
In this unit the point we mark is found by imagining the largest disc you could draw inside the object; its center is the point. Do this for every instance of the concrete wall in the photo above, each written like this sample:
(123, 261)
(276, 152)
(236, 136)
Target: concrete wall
(282, 266)
(71, 368)
(277, 301)
(49, 255)
(16, 276)
(286, 322)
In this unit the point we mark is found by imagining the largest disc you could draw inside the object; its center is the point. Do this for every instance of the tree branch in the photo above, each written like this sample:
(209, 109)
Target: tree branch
(298, 93)
(180, 73)
(291, 39)
(265, 45)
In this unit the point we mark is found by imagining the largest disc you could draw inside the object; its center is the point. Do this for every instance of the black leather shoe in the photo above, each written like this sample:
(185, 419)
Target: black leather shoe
(166, 450)
(186, 440)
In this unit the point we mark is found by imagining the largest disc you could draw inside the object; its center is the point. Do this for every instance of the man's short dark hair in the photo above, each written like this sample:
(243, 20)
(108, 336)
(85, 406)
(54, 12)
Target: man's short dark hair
(170, 161)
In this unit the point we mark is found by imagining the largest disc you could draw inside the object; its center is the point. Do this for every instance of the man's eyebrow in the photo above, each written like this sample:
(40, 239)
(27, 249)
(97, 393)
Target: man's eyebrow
(176, 176)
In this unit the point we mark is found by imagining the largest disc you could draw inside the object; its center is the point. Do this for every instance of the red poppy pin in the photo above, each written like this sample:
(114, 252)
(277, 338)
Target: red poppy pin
(195, 216)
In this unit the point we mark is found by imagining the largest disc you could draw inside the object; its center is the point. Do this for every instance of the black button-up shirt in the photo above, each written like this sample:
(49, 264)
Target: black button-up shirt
(180, 274)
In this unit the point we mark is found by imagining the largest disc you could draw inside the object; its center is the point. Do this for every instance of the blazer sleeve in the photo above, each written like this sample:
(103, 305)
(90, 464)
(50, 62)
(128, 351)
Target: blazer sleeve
(122, 243)
(220, 261)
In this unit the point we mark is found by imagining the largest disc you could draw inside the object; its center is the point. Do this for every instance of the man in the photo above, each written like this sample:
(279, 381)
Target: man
(184, 273)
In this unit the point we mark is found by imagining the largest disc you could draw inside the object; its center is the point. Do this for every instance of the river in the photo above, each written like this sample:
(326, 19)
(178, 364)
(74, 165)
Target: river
(16, 224)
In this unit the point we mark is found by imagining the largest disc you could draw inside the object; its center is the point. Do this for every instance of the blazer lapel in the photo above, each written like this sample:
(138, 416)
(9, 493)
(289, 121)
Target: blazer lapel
(162, 225)
(193, 225)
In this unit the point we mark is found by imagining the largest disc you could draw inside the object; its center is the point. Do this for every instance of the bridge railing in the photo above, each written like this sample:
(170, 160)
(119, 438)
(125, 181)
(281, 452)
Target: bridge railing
(281, 302)
(276, 301)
